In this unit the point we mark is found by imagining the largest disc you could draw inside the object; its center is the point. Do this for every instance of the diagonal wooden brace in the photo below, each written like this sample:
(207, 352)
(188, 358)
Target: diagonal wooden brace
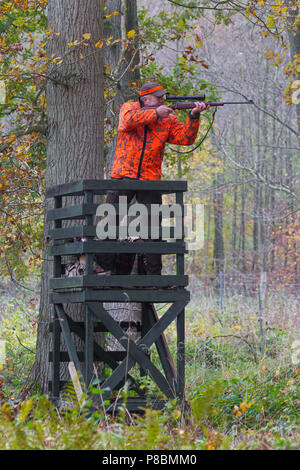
(135, 350)
(150, 317)
(65, 328)
(99, 352)
(137, 353)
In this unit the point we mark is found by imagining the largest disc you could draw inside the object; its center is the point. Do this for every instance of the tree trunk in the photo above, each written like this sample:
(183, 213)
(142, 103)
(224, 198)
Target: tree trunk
(218, 218)
(234, 209)
(75, 127)
(294, 40)
(124, 65)
(242, 253)
(218, 252)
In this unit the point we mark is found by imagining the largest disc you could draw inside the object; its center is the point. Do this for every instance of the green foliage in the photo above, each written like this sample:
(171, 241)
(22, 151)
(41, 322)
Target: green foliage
(18, 329)
(37, 425)
(233, 402)
(221, 409)
(259, 400)
(22, 136)
(165, 26)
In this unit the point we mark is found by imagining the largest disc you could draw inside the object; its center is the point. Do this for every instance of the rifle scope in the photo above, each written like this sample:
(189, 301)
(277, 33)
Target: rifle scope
(185, 97)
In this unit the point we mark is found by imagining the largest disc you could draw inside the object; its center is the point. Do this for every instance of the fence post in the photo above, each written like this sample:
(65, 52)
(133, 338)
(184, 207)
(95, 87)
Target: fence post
(221, 292)
(260, 319)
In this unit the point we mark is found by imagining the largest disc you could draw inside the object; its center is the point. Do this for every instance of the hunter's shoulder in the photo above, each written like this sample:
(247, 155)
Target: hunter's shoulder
(130, 105)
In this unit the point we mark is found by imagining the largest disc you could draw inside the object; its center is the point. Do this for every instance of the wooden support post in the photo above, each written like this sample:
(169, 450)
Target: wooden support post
(89, 320)
(57, 272)
(88, 346)
(56, 358)
(180, 321)
(146, 325)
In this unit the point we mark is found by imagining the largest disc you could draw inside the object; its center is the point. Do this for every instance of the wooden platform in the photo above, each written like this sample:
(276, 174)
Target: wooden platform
(92, 291)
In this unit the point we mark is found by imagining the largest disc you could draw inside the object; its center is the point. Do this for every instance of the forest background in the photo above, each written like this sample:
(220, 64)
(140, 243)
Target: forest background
(245, 282)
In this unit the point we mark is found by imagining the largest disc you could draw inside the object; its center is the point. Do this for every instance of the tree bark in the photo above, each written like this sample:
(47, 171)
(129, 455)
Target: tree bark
(75, 128)
(294, 40)
(124, 63)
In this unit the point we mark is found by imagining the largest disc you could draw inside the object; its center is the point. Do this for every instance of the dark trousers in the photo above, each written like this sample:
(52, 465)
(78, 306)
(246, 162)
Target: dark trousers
(122, 263)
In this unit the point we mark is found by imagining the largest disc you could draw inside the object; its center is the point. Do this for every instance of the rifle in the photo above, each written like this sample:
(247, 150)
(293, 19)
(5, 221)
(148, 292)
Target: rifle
(181, 102)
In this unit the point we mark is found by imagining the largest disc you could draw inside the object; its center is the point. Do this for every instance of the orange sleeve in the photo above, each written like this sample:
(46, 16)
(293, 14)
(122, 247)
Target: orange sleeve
(132, 117)
(183, 134)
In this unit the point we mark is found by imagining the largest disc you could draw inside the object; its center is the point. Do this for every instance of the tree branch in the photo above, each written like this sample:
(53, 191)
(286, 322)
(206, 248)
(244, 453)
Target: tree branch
(273, 116)
(202, 7)
(259, 176)
(21, 132)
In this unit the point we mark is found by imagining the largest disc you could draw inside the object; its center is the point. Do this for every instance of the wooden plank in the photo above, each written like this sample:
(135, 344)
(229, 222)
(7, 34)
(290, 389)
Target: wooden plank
(63, 320)
(94, 246)
(78, 211)
(102, 186)
(90, 231)
(120, 295)
(131, 280)
(67, 189)
(117, 356)
(72, 282)
(72, 232)
(135, 185)
(99, 327)
(168, 209)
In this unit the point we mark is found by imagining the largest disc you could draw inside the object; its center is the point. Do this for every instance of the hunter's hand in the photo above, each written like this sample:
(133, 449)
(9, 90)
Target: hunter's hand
(199, 107)
(163, 111)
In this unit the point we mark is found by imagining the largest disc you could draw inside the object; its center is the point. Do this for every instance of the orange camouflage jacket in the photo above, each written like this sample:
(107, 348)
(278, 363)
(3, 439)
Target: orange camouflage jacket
(141, 141)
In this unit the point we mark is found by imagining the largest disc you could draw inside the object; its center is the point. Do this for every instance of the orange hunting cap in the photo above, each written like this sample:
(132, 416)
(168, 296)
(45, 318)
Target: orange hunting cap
(152, 88)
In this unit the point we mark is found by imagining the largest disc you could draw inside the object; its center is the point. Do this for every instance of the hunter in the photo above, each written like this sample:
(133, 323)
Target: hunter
(145, 126)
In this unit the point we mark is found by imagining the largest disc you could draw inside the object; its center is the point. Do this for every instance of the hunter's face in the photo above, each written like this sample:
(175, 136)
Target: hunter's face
(152, 100)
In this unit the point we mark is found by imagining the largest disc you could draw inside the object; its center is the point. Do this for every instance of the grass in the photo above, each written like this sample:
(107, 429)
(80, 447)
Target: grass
(239, 397)
(18, 325)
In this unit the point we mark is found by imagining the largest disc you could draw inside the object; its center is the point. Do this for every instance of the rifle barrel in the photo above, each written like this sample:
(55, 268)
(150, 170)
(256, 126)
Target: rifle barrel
(191, 105)
(221, 103)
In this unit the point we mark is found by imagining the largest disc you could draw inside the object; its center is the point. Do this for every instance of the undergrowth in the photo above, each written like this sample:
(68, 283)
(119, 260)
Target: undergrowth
(238, 395)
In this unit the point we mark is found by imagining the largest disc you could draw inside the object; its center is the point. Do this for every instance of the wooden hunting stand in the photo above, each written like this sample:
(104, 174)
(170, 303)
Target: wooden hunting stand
(92, 290)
